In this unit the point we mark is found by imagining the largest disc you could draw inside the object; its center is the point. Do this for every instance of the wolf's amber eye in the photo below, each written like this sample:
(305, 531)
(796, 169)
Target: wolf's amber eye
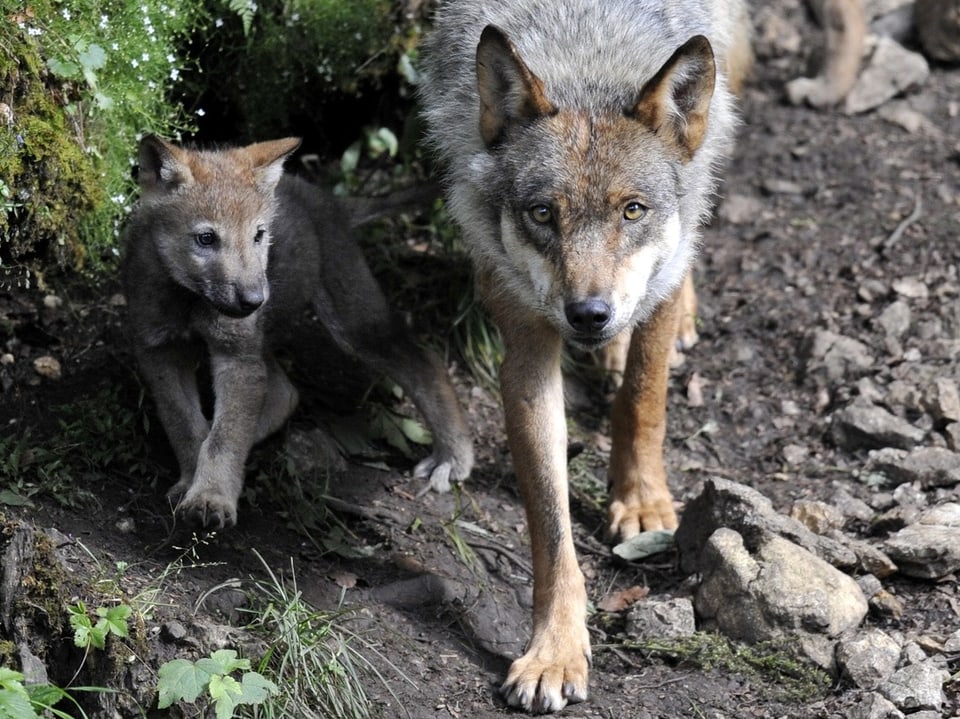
(258, 238)
(205, 239)
(541, 214)
(634, 211)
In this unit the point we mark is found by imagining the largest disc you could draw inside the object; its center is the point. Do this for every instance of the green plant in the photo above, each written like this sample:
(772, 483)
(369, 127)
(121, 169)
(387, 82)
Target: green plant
(86, 77)
(181, 680)
(313, 656)
(110, 620)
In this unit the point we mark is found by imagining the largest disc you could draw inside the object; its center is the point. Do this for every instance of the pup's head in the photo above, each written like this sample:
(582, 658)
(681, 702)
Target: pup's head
(210, 217)
(591, 202)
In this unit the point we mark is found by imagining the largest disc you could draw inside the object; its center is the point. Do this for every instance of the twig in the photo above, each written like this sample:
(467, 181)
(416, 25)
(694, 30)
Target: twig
(906, 221)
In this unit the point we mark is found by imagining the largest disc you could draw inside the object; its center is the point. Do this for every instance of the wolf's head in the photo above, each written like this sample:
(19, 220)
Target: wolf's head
(592, 216)
(210, 217)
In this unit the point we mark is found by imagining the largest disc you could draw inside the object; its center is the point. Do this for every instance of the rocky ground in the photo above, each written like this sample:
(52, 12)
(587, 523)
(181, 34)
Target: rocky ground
(816, 425)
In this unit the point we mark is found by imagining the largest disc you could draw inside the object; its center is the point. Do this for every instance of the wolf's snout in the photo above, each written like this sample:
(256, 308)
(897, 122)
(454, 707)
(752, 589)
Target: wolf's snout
(250, 300)
(588, 316)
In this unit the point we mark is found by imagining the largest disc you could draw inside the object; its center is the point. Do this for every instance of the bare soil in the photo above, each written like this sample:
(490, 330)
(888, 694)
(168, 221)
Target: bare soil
(815, 251)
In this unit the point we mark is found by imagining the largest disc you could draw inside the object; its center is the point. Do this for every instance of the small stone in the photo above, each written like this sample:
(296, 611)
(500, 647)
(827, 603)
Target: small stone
(895, 319)
(672, 618)
(875, 706)
(858, 426)
(47, 367)
(7, 359)
(173, 631)
(911, 288)
(890, 70)
(818, 517)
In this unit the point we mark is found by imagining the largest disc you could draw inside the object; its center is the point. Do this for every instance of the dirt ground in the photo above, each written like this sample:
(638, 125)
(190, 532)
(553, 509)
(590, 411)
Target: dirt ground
(825, 193)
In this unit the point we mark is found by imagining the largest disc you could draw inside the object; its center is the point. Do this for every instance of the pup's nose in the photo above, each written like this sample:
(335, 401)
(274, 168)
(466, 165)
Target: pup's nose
(250, 300)
(588, 316)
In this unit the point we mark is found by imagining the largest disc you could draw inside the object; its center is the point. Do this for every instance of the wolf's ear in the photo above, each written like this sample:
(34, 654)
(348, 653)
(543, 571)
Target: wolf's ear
(675, 103)
(267, 159)
(509, 92)
(163, 166)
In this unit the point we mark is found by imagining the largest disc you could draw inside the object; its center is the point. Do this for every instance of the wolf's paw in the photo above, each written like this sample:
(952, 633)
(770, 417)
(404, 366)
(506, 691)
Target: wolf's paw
(629, 519)
(441, 468)
(206, 509)
(551, 674)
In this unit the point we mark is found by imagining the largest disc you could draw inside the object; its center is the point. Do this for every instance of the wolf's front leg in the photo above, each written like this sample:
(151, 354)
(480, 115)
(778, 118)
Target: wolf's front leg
(171, 373)
(639, 496)
(555, 667)
(239, 386)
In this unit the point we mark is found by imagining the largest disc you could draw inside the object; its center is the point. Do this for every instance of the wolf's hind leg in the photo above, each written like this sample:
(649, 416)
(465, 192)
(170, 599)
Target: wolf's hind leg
(279, 402)
(352, 307)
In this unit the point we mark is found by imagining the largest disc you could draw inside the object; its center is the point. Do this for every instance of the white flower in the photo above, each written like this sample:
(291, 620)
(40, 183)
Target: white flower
(103, 22)
(218, 22)
(114, 46)
(175, 74)
(201, 112)
(171, 58)
(135, 62)
(66, 14)
(145, 57)
(34, 31)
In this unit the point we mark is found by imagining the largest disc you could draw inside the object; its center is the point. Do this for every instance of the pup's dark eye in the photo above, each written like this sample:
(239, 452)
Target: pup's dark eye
(261, 233)
(634, 211)
(205, 239)
(541, 214)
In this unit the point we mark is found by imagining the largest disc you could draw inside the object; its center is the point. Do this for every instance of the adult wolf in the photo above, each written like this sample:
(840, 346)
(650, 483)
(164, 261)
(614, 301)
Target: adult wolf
(223, 254)
(581, 140)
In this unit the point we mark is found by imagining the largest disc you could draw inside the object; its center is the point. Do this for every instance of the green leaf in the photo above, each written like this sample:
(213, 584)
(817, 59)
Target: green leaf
(223, 661)
(181, 680)
(92, 57)
(16, 704)
(256, 688)
(645, 544)
(64, 69)
(13, 499)
(224, 690)
(115, 619)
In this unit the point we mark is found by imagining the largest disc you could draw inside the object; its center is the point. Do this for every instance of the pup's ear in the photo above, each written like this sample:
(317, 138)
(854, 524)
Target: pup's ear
(267, 159)
(162, 165)
(675, 103)
(509, 92)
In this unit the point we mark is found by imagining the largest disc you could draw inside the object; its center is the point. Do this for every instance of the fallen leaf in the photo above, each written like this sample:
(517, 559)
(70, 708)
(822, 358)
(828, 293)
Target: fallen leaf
(618, 601)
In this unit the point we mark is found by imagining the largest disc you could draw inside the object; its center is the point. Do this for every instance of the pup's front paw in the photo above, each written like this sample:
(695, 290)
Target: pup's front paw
(443, 467)
(206, 508)
(552, 673)
(628, 519)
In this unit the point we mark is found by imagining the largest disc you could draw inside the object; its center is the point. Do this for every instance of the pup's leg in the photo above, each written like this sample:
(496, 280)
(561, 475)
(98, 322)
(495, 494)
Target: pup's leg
(352, 307)
(639, 496)
(171, 373)
(239, 385)
(555, 667)
(846, 28)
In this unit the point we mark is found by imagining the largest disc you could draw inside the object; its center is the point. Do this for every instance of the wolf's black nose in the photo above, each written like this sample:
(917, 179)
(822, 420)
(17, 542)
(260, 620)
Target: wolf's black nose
(588, 316)
(250, 300)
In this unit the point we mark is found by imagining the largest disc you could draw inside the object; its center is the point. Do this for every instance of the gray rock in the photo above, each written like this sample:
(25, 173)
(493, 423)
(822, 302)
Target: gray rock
(868, 658)
(851, 507)
(952, 645)
(917, 686)
(895, 319)
(875, 706)
(839, 355)
(723, 503)
(927, 466)
(818, 517)
(652, 619)
(930, 548)
(740, 209)
(870, 559)
(942, 399)
(861, 426)
(952, 431)
(773, 588)
(890, 70)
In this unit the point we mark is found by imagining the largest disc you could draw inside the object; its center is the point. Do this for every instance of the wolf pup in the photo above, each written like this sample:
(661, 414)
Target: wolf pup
(222, 253)
(581, 140)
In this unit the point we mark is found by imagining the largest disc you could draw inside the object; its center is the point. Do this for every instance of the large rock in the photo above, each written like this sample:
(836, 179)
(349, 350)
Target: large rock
(723, 503)
(938, 25)
(770, 589)
(868, 658)
(916, 686)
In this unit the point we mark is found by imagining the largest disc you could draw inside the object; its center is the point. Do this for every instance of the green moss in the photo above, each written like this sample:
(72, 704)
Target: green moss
(773, 665)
